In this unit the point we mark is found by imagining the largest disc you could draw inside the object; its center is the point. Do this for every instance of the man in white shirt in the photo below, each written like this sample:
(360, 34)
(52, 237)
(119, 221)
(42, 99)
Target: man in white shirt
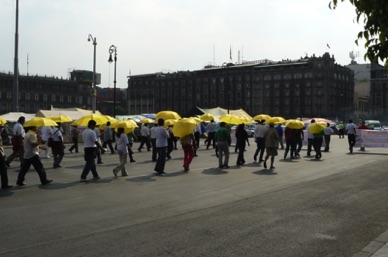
(17, 142)
(154, 156)
(211, 129)
(145, 137)
(58, 146)
(90, 145)
(161, 135)
(46, 134)
(259, 139)
(351, 129)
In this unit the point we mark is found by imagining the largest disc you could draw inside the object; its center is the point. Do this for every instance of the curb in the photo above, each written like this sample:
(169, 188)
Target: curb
(376, 248)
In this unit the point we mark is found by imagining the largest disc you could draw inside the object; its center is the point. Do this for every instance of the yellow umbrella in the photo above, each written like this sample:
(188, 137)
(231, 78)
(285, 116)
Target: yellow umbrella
(166, 115)
(183, 127)
(231, 119)
(40, 122)
(110, 119)
(276, 120)
(197, 120)
(169, 122)
(127, 125)
(294, 124)
(2, 121)
(83, 121)
(317, 127)
(146, 120)
(262, 117)
(245, 119)
(61, 118)
(207, 117)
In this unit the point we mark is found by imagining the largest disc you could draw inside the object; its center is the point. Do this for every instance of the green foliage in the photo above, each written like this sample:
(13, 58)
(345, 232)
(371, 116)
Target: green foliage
(374, 15)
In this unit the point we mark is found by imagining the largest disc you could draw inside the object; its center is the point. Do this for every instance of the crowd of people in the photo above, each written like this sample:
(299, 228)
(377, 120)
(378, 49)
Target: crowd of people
(28, 144)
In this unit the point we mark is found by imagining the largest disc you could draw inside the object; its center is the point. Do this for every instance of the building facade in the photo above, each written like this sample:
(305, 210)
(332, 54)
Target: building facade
(307, 87)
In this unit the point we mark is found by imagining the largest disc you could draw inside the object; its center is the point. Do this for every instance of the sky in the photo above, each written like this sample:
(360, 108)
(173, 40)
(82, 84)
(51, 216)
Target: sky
(170, 35)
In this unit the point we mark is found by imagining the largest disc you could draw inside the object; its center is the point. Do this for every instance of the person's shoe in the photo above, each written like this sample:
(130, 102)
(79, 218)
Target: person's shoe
(156, 170)
(47, 182)
(21, 183)
(254, 158)
(100, 162)
(124, 175)
(162, 173)
(6, 187)
(96, 178)
(76, 151)
(83, 180)
(265, 164)
(132, 161)
(7, 164)
(225, 166)
(139, 150)
(272, 168)
(186, 169)
(57, 166)
(115, 173)
(71, 151)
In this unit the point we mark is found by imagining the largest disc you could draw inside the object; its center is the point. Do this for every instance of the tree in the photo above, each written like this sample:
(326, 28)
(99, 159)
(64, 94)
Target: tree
(375, 17)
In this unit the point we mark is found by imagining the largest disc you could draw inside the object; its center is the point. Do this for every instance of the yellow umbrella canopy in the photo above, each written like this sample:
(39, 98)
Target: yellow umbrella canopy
(294, 124)
(146, 120)
(127, 125)
(169, 122)
(110, 119)
(245, 119)
(207, 117)
(98, 118)
(183, 127)
(2, 121)
(40, 122)
(197, 120)
(61, 118)
(276, 120)
(262, 117)
(317, 127)
(231, 119)
(166, 115)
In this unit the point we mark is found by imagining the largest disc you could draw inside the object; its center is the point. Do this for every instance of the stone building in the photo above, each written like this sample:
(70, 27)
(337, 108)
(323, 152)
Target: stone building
(306, 87)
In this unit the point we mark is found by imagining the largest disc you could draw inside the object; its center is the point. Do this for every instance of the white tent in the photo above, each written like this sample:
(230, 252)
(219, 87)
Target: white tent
(73, 113)
(14, 116)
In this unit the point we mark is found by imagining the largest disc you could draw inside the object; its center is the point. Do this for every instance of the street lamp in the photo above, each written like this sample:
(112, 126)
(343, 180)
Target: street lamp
(94, 91)
(113, 49)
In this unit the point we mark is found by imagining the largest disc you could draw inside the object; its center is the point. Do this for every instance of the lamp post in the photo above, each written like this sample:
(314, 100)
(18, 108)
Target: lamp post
(94, 91)
(113, 49)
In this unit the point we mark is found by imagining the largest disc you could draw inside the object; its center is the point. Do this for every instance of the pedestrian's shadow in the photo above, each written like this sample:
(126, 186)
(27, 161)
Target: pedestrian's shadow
(252, 164)
(316, 160)
(5, 193)
(289, 160)
(146, 178)
(265, 172)
(214, 171)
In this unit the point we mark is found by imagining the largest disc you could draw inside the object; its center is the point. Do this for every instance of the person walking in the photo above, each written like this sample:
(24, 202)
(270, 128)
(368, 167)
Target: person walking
(47, 132)
(154, 155)
(145, 137)
(108, 137)
(351, 129)
(170, 142)
(161, 135)
(197, 136)
(98, 152)
(310, 139)
(122, 149)
(131, 137)
(299, 141)
(58, 146)
(188, 144)
(241, 141)
(31, 157)
(17, 142)
(279, 129)
(223, 141)
(291, 137)
(211, 129)
(317, 143)
(90, 145)
(328, 132)
(260, 142)
(271, 138)
(341, 130)
(3, 167)
(74, 137)
(362, 126)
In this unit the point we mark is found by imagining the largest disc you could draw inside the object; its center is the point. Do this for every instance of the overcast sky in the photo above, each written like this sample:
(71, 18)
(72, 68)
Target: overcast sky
(170, 35)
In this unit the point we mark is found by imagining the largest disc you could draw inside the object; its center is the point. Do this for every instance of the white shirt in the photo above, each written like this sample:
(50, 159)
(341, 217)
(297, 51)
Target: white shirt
(98, 134)
(161, 137)
(145, 131)
(211, 127)
(328, 131)
(89, 137)
(18, 130)
(29, 150)
(260, 130)
(309, 135)
(57, 134)
(152, 132)
(351, 128)
(122, 143)
(46, 132)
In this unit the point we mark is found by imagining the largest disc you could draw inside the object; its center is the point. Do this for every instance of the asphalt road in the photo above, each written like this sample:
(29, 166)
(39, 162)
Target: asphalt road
(329, 207)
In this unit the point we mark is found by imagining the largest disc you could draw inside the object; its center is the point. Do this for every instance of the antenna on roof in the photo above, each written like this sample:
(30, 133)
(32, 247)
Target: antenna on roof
(230, 54)
(214, 54)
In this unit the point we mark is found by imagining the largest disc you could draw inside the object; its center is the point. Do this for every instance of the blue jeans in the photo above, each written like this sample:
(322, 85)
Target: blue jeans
(90, 165)
(162, 152)
(38, 166)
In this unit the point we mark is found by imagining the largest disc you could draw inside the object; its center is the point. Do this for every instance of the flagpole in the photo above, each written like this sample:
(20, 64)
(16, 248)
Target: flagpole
(15, 88)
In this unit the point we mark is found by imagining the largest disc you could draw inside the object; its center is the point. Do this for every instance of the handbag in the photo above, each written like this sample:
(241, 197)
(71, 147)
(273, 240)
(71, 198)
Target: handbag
(50, 142)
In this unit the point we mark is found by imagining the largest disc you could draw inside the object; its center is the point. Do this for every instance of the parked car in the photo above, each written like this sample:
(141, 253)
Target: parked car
(373, 124)
(249, 128)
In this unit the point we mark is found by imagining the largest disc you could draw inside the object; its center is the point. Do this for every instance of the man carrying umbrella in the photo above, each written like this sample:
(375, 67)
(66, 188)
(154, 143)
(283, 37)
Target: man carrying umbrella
(223, 141)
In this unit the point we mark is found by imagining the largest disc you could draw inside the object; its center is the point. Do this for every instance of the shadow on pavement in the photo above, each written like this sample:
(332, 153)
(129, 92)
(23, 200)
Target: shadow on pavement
(264, 172)
(147, 178)
(214, 171)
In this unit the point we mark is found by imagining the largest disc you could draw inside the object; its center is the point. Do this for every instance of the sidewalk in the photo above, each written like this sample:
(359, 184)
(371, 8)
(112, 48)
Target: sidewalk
(376, 248)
